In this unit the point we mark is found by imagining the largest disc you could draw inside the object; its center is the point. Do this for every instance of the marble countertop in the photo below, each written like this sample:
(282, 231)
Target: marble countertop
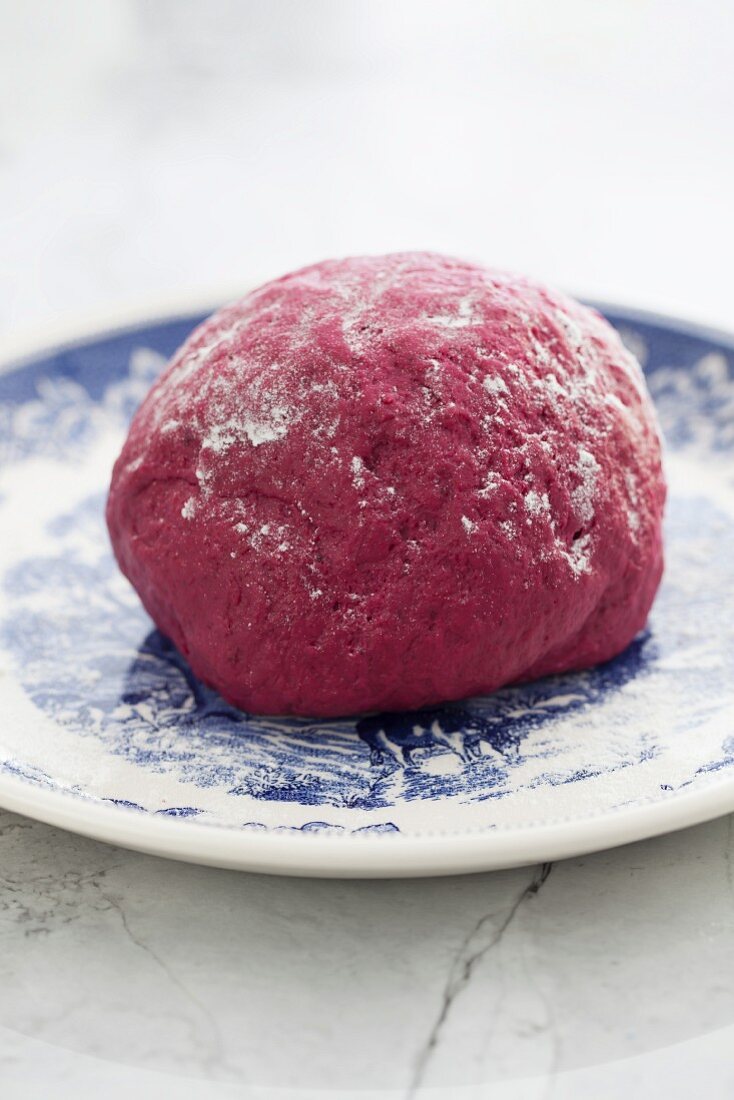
(152, 152)
(122, 974)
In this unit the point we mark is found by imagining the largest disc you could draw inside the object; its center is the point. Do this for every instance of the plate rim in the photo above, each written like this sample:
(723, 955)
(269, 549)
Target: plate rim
(88, 328)
(326, 854)
(322, 853)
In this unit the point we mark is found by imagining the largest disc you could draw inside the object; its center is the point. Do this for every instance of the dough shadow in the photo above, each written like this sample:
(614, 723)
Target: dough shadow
(355, 762)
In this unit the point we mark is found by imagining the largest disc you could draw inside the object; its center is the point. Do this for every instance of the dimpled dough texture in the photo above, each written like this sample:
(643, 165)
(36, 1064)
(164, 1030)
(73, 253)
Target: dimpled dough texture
(385, 482)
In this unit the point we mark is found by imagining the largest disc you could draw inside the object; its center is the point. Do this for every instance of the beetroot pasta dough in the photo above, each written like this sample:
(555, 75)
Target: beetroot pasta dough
(385, 482)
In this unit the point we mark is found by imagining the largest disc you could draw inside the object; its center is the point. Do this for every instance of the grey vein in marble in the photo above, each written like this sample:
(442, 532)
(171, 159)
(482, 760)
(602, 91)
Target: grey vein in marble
(469, 955)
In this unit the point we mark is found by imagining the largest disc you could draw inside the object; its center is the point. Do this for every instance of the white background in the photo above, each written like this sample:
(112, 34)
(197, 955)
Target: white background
(153, 150)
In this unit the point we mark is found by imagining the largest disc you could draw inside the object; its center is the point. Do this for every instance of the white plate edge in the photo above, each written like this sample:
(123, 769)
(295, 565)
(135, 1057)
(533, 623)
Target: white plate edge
(346, 855)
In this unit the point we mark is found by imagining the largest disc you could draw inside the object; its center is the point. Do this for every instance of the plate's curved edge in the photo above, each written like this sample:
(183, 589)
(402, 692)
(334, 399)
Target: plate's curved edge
(16, 353)
(680, 325)
(25, 347)
(329, 855)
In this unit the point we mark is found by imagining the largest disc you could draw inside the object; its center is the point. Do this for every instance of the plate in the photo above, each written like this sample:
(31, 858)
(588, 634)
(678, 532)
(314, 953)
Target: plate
(106, 732)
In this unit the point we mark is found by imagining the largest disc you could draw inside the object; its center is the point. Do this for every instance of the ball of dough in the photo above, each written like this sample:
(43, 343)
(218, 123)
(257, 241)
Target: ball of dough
(390, 481)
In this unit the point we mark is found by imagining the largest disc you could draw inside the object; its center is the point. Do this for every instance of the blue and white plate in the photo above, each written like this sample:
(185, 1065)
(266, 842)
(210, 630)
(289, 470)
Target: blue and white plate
(105, 731)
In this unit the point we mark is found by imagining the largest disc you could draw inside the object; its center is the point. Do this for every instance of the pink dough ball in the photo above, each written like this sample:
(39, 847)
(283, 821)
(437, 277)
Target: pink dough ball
(384, 482)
